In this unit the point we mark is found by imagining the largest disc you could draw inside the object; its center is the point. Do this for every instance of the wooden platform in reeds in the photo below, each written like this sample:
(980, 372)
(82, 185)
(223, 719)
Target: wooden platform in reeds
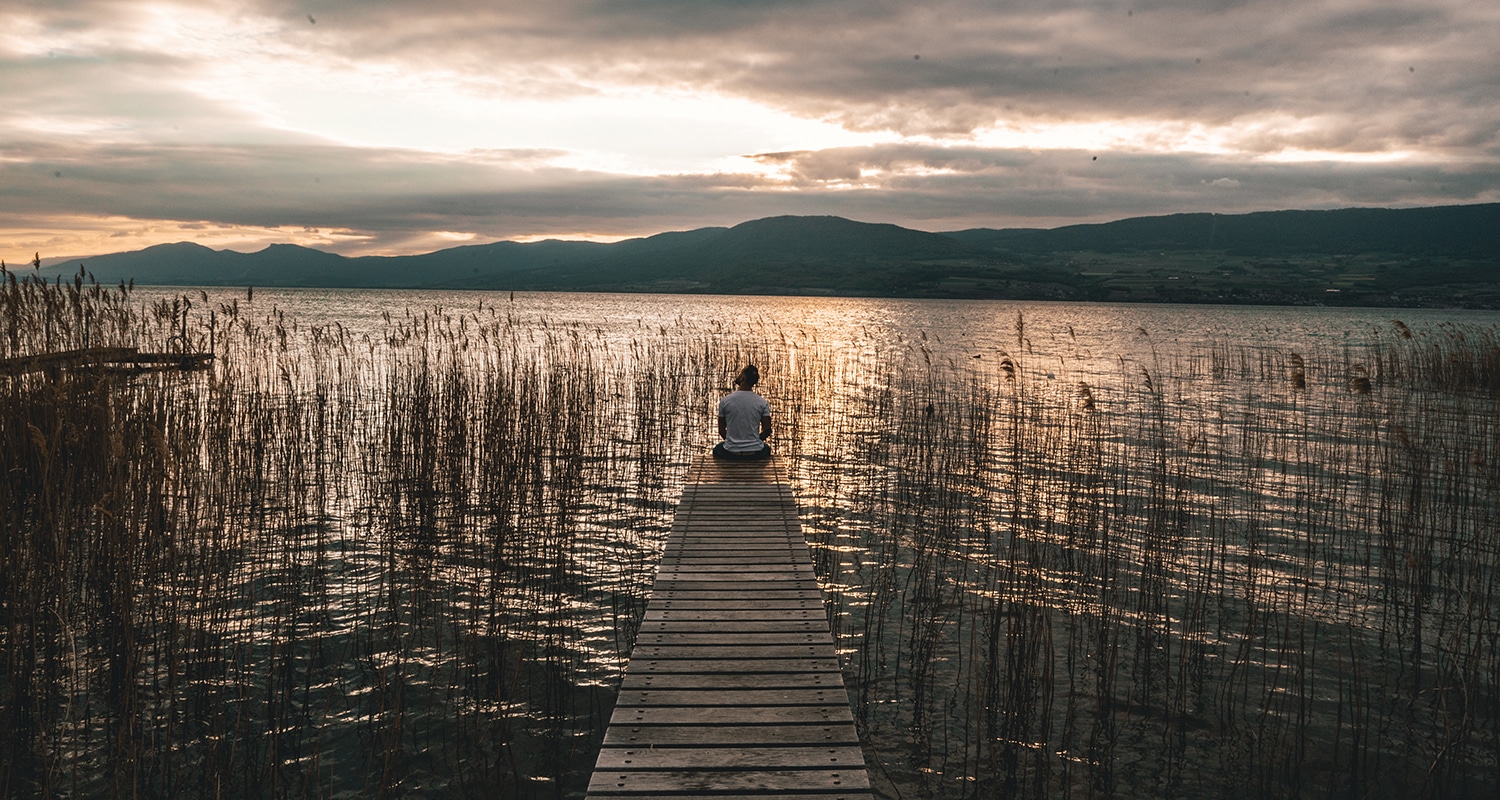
(113, 359)
(733, 688)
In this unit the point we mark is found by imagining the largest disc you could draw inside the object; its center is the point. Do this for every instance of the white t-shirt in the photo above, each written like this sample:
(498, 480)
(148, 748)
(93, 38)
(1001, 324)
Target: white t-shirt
(742, 412)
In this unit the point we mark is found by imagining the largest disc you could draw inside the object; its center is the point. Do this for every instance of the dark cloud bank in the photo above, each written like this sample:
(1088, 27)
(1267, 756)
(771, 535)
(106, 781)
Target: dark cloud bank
(1418, 83)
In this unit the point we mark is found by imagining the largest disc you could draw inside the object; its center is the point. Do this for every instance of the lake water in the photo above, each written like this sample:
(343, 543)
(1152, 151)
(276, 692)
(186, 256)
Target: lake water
(967, 327)
(1070, 549)
(1084, 341)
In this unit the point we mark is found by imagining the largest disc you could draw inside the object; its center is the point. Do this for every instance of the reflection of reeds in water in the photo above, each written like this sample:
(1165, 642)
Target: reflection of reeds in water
(328, 566)
(411, 564)
(1233, 584)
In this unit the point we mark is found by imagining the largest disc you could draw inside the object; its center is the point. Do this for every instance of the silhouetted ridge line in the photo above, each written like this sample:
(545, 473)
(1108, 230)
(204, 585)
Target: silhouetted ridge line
(1422, 256)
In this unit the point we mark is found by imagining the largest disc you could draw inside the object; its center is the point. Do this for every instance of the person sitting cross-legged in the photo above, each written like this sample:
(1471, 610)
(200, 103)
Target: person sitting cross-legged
(744, 420)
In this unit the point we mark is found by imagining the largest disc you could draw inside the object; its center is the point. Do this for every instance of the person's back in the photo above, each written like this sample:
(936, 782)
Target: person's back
(744, 419)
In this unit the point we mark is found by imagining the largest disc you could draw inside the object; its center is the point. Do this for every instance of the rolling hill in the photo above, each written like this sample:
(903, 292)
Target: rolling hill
(1446, 255)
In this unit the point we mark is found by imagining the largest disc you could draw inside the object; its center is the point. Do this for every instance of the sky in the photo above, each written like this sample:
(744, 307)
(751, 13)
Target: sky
(389, 127)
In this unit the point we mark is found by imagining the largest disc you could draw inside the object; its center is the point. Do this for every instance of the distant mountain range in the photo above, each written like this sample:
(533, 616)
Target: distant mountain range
(1447, 255)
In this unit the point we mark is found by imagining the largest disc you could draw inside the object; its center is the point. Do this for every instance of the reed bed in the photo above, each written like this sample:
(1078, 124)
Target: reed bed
(403, 564)
(410, 562)
(1226, 573)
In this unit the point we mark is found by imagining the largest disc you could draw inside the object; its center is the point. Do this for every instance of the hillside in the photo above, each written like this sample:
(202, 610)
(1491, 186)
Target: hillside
(1427, 256)
(1452, 231)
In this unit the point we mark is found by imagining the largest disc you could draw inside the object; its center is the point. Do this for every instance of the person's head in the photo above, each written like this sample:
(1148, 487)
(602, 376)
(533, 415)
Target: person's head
(748, 377)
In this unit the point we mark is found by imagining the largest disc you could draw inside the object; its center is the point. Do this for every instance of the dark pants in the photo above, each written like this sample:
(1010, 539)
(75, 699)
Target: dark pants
(763, 452)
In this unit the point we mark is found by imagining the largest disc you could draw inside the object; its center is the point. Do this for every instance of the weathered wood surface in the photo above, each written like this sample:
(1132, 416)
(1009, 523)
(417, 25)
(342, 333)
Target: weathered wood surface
(113, 359)
(733, 688)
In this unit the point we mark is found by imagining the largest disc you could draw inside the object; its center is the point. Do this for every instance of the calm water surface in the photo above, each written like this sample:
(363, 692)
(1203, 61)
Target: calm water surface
(1220, 513)
(1100, 332)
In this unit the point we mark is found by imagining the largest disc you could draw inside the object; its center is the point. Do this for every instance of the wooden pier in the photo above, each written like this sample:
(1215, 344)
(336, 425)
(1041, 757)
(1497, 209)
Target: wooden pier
(733, 689)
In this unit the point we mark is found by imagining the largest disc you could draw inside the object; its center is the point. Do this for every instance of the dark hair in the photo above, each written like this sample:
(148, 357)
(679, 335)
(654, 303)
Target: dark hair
(749, 376)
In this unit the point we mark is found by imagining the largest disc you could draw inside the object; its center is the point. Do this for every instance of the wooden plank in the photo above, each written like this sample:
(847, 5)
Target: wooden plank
(681, 758)
(731, 715)
(758, 587)
(764, 592)
(699, 491)
(756, 796)
(790, 579)
(723, 616)
(699, 501)
(737, 513)
(729, 565)
(761, 639)
(740, 626)
(682, 580)
(707, 551)
(661, 696)
(655, 652)
(733, 557)
(731, 562)
(712, 479)
(783, 566)
(708, 619)
(730, 681)
(737, 519)
(732, 665)
(733, 527)
(763, 586)
(768, 509)
(728, 609)
(707, 546)
(731, 613)
(702, 548)
(735, 505)
(749, 529)
(711, 534)
(803, 794)
(789, 571)
(738, 507)
(799, 780)
(711, 537)
(729, 735)
(710, 547)
(720, 596)
(792, 573)
(730, 526)
(736, 548)
(767, 598)
(746, 639)
(727, 525)
(711, 499)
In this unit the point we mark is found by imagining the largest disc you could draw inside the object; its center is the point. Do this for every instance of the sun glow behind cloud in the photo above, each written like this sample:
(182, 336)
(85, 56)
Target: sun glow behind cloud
(620, 130)
(278, 74)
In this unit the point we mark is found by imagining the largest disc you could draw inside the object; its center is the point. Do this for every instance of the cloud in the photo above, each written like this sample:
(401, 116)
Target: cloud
(360, 200)
(387, 123)
(981, 64)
